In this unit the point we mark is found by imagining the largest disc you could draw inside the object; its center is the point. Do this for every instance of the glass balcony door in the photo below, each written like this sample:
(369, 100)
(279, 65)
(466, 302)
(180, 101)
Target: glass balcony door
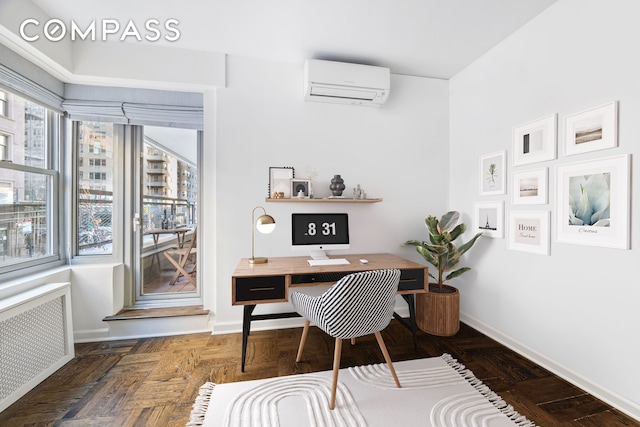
(166, 216)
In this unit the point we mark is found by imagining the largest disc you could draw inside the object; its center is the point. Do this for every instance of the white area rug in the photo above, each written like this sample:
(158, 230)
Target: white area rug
(436, 391)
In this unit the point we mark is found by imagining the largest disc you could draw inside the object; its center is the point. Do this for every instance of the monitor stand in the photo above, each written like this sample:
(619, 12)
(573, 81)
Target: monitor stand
(320, 254)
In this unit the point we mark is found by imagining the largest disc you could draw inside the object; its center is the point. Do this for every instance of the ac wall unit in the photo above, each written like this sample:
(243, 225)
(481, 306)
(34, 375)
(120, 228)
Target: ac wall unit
(345, 83)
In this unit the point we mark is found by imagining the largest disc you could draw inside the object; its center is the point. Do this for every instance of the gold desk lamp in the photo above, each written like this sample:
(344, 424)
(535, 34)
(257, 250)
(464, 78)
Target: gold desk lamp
(265, 225)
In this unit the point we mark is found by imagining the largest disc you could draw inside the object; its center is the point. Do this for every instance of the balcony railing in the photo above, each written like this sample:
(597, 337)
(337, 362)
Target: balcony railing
(95, 213)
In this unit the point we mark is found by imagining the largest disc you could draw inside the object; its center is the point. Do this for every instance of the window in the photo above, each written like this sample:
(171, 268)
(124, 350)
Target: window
(28, 185)
(4, 147)
(94, 223)
(4, 104)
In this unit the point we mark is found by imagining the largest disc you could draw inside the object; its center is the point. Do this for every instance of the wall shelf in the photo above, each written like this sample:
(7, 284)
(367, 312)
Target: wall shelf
(322, 200)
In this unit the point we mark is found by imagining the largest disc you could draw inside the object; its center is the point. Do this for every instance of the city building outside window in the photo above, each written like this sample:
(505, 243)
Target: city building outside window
(28, 184)
(94, 223)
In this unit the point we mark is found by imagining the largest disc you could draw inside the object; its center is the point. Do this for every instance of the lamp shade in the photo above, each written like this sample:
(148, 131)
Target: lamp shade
(265, 224)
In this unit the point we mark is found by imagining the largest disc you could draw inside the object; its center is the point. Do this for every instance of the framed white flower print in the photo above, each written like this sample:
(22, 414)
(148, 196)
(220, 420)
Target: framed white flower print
(592, 204)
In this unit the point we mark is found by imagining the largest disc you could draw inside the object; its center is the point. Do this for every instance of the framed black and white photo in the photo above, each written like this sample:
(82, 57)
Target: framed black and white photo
(529, 187)
(488, 218)
(529, 231)
(300, 188)
(535, 141)
(493, 173)
(280, 181)
(593, 202)
(591, 130)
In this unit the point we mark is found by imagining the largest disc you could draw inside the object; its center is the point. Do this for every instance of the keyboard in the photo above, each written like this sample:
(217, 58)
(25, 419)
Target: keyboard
(331, 261)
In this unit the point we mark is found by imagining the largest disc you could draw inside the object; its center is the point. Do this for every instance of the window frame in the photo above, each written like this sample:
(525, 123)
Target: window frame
(55, 206)
(4, 103)
(117, 220)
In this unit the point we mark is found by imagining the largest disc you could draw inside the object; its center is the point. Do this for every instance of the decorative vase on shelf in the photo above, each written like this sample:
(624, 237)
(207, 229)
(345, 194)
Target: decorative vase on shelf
(337, 185)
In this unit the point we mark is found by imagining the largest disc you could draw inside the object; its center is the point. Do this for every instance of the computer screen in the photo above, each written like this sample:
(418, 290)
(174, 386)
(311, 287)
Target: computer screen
(319, 232)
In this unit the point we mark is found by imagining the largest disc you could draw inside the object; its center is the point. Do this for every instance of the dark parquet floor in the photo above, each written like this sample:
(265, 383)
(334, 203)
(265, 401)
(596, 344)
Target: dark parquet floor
(154, 381)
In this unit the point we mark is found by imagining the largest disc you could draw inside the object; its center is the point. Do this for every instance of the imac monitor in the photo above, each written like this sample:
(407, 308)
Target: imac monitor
(319, 232)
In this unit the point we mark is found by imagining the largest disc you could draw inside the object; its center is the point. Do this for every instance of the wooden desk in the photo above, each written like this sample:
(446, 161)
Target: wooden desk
(254, 284)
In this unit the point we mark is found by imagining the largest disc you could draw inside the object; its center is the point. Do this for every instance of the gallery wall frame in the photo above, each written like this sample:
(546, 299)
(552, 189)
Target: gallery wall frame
(530, 187)
(280, 181)
(592, 202)
(488, 218)
(529, 231)
(535, 141)
(493, 173)
(299, 185)
(591, 130)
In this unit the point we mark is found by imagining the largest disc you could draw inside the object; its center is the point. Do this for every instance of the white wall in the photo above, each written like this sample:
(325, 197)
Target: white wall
(394, 152)
(575, 311)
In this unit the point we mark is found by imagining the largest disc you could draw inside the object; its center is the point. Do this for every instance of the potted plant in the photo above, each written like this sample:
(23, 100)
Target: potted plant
(438, 311)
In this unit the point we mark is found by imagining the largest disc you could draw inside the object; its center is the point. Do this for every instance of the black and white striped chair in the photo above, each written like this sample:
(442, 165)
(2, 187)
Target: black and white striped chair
(357, 305)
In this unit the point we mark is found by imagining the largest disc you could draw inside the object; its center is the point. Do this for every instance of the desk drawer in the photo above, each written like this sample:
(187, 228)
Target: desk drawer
(260, 289)
(411, 280)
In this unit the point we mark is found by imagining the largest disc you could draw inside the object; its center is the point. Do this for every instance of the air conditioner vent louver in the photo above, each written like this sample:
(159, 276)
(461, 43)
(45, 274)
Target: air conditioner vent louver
(343, 83)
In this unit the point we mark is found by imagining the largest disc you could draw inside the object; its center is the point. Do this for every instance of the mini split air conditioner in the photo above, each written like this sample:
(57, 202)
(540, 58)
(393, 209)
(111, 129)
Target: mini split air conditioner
(344, 83)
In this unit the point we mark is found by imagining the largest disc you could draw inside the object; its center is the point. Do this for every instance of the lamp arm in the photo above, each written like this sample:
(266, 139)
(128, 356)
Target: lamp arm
(253, 226)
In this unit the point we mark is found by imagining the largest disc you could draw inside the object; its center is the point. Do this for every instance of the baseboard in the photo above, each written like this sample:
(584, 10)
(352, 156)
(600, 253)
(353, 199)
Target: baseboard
(613, 399)
(91, 335)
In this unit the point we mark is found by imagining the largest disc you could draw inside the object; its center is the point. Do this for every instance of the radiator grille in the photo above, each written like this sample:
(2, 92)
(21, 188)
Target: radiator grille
(31, 342)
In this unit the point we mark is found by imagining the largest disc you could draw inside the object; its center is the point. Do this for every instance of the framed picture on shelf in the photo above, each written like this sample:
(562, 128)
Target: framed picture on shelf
(493, 173)
(488, 218)
(535, 141)
(300, 188)
(280, 181)
(529, 187)
(591, 130)
(529, 232)
(593, 202)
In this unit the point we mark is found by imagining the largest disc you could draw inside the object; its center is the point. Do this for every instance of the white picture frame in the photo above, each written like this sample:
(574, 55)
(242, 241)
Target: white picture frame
(280, 181)
(300, 185)
(592, 202)
(493, 173)
(530, 187)
(535, 141)
(488, 218)
(529, 232)
(591, 130)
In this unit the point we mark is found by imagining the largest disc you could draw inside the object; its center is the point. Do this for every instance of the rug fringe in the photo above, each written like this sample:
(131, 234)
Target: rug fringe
(196, 418)
(489, 394)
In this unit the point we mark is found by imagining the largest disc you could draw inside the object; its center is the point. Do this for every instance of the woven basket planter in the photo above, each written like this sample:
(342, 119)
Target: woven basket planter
(438, 313)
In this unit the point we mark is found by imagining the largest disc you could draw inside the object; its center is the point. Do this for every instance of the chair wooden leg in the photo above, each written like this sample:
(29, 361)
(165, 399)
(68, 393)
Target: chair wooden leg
(336, 369)
(303, 339)
(385, 353)
(353, 341)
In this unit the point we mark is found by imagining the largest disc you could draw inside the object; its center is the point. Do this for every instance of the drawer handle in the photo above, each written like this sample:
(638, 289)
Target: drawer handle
(262, 289)
(408, 280)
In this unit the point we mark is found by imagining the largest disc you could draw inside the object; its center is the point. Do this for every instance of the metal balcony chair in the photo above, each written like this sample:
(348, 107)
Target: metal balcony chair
(357, 305)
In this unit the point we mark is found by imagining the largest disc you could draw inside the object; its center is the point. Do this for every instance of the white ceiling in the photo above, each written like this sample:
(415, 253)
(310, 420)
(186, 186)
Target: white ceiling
(429, 38)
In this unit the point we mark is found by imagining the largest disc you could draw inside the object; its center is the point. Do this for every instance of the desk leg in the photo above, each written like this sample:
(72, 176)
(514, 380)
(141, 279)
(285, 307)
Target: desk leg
(246, 330)
(411, 302)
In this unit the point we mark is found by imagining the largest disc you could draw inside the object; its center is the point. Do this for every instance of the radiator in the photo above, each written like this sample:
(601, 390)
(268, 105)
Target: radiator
(36, 338)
